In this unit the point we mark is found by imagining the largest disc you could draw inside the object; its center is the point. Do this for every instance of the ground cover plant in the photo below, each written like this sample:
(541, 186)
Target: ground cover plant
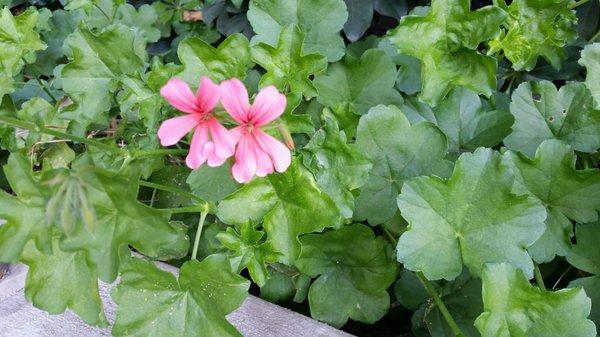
(388, 167)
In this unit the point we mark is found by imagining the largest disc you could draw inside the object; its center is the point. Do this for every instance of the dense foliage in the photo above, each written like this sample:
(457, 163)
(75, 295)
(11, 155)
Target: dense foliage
(444, 175)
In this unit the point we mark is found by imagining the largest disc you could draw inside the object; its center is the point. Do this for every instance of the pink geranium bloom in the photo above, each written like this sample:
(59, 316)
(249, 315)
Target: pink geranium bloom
(211, 141)
(257, 153)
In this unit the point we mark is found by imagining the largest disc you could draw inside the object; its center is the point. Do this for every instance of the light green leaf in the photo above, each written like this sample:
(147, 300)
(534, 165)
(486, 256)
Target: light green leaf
(63, 280)
(319, 20)
(515, 308)
(24, 213)
(338, 167)
(153, 302)
(398, 151)
(351, 283)
(212, 183)
(288, 204)
(585, 255)
(566, 193)
(446, 41)
(591, 285)
(229, 60)
(248, 250)
(18, 40)
(362, 83)
(590, 59)
(142, 19)
(470, 219)
(288, 67)
(98, 61)
(535, 28)
(137, 101)
(542, 112)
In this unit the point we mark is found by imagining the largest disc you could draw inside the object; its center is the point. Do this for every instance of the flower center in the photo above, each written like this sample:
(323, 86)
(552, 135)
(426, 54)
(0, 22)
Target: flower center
(249, 127)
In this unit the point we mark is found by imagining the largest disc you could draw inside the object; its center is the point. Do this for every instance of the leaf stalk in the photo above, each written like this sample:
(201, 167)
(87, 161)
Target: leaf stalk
(440, 304)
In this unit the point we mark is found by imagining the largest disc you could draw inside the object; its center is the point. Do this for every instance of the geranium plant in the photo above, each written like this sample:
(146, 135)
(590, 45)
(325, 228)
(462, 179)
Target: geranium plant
(389, 167)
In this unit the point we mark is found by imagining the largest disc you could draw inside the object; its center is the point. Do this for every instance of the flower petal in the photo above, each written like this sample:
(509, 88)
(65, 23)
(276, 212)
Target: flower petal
(211, 158)
(245, 163)
(268, 105)
(224, 144)
(264, 164)
(208, 94)
(234, 98)
(195, 158)
(173, 129)
(279, 153)
(180, 96)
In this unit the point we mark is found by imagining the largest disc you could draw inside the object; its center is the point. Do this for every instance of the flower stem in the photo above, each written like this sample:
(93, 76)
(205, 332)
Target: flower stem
(173, 190)
(538, 277)
(36, 128)
(198, 234)
(440, 304)
(577, 4)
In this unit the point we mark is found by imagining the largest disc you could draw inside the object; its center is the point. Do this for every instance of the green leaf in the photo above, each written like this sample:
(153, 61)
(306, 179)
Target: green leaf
(470, 219)
(19, 39)
(55, 31)
(445, 40)
(398, 151)
(63, 280)
(590, 59)
(515, 308)
(535, 28)
(566, 193)
(467, 124)
(351, 283)
(137, 101)
(24, 213)
(230, 59)
(289, 204)
(122, 221)
(249, 251)
(288, 67)
(338, 167)
(212, 183)
(360, 15)
(362, 83)
(319, 20)
(591, 285)
(143, 19)
(98, 61)
(585, 255)
(153, 302)
(542, 112)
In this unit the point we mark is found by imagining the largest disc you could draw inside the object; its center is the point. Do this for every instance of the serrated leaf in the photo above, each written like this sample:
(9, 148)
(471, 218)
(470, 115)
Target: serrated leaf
(470, 219)
(18, 38)
(288, 67)
(590, 59)
(288, 204)
(535, 28)
(212, 183)
(515, 308)
(542, 112)
(445, 40)
(142, 19)
(591, 285)
(362, 83)
(351, 283)
(248, 250)
(585, 255)
(97, 63)
(229, 59)
(398, 151)
(153, 302)
(63, 280)
(566, 193)
(320, 20)
(360, 15)
(338, 167)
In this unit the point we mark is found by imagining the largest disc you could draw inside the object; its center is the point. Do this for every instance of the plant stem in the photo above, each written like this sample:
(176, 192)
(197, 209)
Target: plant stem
(159, 152)
(577, 4)
(172, 190)
(154, 190)
(538, 277)
(188, 209)
(102, 11)
(390, 236)
(440, 304)
(593, 38)
(561, 277)
(41, 84)
(198, 234)
(36, 128)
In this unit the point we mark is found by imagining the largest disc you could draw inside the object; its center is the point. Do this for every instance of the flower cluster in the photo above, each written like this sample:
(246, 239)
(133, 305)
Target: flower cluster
(256, 152)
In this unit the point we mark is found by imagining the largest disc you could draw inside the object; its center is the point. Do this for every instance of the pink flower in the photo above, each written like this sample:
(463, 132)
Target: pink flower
(211, 141)
(257, 153)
